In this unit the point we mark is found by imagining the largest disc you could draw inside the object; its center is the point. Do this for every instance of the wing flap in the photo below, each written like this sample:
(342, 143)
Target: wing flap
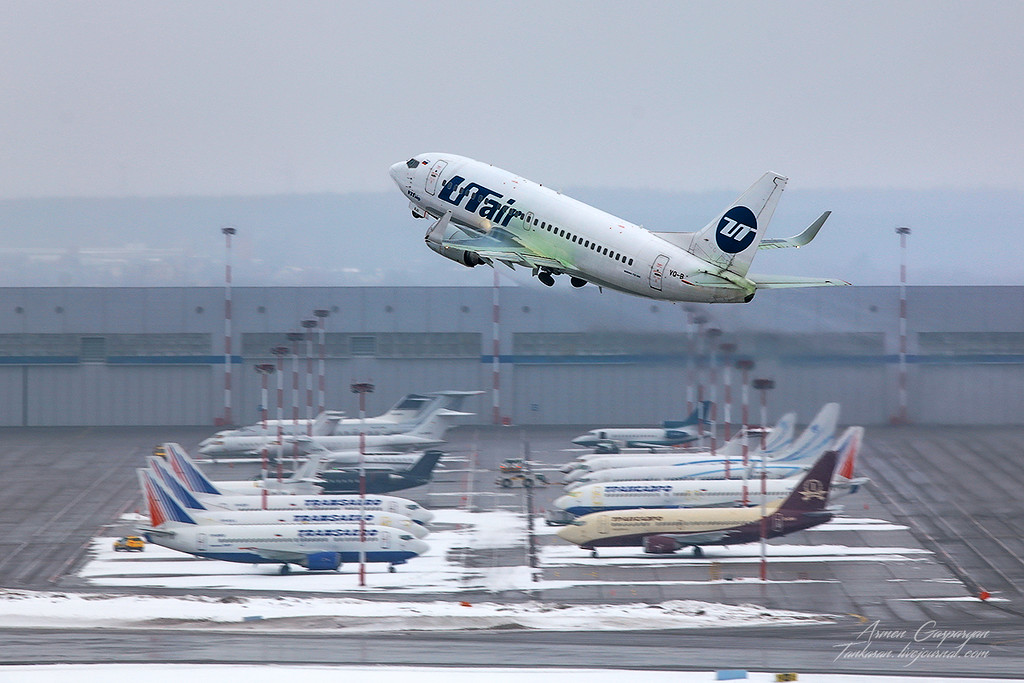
(784, 281)
(700, 538)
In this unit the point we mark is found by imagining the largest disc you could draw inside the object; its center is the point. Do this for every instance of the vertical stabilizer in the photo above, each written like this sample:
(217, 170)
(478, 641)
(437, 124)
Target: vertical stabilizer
(731, 239)
(163, 507)
(173, 484)
(811, 494)
(185, 469)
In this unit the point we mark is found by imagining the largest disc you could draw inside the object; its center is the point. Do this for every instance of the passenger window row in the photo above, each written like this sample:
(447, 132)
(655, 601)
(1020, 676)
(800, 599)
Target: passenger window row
(579, 240)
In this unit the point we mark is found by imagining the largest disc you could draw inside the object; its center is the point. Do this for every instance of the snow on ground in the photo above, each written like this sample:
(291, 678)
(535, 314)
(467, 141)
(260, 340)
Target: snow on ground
(274, 674)
(75, 610)
(441, 570)
(174, 673)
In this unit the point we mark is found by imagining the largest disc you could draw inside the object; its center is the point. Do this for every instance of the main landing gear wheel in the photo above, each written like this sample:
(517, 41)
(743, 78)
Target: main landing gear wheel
(546, 277)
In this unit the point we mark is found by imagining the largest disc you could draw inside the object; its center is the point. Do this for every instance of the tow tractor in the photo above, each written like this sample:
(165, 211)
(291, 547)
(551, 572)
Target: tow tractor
(515, 472)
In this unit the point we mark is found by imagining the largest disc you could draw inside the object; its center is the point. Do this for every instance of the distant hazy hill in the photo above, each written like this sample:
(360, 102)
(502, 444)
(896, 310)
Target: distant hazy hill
(963, 237)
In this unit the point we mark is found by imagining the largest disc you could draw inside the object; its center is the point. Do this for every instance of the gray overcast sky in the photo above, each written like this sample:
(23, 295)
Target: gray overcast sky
(166, 98)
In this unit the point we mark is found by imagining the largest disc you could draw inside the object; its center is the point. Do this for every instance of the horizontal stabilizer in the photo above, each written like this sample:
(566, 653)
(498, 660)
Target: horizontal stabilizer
(796, 240)
(784, 281)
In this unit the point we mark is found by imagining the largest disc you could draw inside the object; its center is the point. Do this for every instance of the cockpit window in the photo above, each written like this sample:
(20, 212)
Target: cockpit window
(412, 163)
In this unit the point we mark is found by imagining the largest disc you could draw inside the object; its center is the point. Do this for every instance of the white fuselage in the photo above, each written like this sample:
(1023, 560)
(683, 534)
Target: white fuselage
(271, 501)
(335, 517)
(269, 543)
(628, 495)
(636, 437)
(592, 244)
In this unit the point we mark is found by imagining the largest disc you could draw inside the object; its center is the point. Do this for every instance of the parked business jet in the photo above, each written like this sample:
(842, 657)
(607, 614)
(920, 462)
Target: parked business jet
(484, 214)
(426, 431)
(315, 547)
(665, 531)
(612, 439)
(204, 514)
(397, 419)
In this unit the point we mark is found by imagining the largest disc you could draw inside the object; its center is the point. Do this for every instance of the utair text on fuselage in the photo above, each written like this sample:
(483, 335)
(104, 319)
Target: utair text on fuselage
(484, 214)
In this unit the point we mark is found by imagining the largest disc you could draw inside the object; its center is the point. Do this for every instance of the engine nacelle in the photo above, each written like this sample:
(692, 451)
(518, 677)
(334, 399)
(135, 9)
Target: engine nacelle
(466, 258)
(660, 545)
(323, 561)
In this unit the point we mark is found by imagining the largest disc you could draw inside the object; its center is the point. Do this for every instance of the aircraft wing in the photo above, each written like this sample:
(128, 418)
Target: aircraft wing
(280, 555)
(783, 281)
(700, 538)
(511, 252)
(796, 240)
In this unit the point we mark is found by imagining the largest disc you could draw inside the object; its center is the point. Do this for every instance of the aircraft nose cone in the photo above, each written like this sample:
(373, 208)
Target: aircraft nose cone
(419, 547)
(581, 440)
(563, 502)
(398, 173)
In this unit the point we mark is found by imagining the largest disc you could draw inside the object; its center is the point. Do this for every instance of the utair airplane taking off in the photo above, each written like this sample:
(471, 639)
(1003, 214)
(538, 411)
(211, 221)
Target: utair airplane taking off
(483, 214)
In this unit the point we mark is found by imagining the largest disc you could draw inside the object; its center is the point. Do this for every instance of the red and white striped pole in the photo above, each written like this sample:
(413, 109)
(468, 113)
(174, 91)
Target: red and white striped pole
(495, 353)
(228, 232)
(745, 365)
(295, 338)
(763, 385)
(309, 325)
(321, 314)
(280, 352)
(264, 369)
(713, 334)
(901, 417)
(362, 388)
(700, 320)
(727, 350)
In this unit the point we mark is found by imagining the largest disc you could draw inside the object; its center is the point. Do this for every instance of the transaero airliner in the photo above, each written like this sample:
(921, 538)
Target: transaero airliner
(484, 215)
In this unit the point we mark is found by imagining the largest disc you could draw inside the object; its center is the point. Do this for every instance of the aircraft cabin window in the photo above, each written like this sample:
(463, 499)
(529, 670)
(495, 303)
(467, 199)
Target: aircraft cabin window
(544, 226)
(412, 163)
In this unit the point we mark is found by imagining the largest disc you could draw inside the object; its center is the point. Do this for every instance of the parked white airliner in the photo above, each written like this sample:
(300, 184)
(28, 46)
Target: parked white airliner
(484, 214)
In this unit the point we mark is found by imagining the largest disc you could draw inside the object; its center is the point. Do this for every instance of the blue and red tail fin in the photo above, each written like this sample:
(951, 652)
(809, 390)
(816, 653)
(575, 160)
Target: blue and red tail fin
(185, 469)
(163, 507)
(173, 484)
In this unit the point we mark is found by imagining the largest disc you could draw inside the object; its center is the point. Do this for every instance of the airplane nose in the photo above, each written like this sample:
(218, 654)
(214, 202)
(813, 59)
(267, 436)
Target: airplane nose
(419, 547)
(398, 172)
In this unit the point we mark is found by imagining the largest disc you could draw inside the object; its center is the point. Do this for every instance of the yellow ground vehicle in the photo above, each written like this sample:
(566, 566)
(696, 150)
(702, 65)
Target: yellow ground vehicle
(130, 544)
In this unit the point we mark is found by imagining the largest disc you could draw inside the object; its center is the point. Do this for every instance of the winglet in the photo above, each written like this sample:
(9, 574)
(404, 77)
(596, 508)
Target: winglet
(796, 240)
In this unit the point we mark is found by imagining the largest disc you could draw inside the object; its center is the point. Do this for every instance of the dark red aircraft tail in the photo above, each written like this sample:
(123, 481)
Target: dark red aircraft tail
(811, 494)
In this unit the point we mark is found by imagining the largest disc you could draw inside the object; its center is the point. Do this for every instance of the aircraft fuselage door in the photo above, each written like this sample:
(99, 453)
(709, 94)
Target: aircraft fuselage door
(658, 271)
(435, 173)
(201, 541)
(602, 525)
(529, 221)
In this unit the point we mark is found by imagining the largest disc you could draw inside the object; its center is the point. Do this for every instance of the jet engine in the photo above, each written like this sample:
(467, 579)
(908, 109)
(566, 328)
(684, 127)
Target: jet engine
(466, 258)
(322, 561)
(660, 545)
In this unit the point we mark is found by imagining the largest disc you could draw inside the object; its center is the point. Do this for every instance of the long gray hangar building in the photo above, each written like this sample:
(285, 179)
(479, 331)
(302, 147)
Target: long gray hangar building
(156, 356)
